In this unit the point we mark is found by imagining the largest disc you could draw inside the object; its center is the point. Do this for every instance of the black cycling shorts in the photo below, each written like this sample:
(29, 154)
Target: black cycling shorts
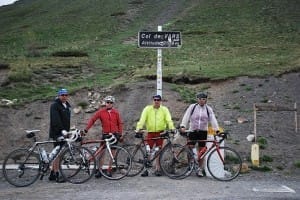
(197, 135)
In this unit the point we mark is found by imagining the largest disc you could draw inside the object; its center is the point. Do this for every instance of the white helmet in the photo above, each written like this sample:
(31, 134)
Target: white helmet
(109, 98)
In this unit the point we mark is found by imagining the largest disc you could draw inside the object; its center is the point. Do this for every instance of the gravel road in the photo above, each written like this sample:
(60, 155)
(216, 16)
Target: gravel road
(253, 185)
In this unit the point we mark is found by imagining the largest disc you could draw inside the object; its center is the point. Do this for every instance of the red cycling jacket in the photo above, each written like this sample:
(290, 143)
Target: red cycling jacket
(110, 120)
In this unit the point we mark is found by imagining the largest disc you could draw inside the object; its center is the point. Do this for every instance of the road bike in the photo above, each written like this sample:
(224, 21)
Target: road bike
(113, 161)
(143, 158)
(223, 163)
(23, 166)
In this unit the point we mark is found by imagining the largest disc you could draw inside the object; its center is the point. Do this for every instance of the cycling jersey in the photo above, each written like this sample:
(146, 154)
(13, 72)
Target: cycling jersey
(155, 119)
(110, 120)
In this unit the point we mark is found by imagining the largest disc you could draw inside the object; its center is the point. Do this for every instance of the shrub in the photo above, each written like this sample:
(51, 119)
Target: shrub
(69, 54)
(297, 164)
(266, 158)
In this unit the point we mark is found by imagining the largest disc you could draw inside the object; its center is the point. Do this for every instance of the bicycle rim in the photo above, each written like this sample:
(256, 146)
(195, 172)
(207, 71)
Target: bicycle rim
(227, 170)
(137, 156)
(176, 161)
(77, 165)
(117, 167)
(21, 169)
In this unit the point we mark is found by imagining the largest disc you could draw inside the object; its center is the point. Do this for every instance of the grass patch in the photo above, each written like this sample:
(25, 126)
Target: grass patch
(262, 142)
(247, 38)
(297, 164)
(266, 158)
(263, 168)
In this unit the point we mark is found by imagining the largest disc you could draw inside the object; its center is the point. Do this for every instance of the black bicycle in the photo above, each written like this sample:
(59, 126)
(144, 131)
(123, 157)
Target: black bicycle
(23, 166)
(143, 158)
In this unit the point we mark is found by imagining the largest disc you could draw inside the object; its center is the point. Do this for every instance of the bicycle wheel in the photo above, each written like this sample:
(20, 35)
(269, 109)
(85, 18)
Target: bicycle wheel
(77, 164)
(137, 156)
(176, 161)
(21, 168)
(225, 164)
(114, 165)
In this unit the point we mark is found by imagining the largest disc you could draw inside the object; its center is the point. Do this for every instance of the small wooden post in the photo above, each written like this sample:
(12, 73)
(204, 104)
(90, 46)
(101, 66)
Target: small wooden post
(254, 119)
(296, 119)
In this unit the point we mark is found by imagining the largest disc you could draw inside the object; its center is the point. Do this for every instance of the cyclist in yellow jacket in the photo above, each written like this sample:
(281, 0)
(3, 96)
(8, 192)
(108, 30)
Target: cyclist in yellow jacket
(156, 118)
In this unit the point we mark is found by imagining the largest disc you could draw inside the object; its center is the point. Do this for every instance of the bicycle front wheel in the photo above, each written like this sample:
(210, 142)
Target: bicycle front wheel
(77, 164)
(114, 164)
(138, 157)
(176, 161)
(21, 168)
(224, 164)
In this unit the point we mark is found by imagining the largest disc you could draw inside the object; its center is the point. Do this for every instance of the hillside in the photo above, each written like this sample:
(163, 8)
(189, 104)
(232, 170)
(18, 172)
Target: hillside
(84, 44)
(241, 52)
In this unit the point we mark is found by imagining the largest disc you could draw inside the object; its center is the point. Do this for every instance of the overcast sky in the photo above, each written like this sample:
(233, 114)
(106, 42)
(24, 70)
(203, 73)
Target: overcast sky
(6, 2)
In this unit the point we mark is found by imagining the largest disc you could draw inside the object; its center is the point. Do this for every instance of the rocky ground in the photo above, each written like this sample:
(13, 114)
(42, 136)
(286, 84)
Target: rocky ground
(232, 100)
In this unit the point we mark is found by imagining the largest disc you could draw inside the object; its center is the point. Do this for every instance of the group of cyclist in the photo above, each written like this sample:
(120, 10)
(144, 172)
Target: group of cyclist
(155, 119)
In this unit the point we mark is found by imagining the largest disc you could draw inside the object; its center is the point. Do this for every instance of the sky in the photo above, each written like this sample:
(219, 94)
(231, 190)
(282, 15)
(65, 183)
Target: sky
(6, 2)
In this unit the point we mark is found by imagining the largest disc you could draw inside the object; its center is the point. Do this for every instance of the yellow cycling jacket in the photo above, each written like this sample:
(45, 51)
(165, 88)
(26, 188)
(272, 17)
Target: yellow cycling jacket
(155, 119)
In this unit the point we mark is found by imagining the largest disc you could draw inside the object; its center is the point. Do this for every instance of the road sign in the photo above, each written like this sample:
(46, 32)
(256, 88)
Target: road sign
(159, 39)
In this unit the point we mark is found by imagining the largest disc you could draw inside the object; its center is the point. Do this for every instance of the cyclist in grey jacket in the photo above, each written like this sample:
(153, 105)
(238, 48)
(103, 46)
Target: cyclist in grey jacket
(197, 118)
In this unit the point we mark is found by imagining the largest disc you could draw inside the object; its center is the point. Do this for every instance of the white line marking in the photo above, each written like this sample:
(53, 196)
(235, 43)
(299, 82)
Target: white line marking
(282, 189)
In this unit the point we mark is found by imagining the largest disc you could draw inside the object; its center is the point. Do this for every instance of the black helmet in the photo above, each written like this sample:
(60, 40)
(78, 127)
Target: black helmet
(202, 95)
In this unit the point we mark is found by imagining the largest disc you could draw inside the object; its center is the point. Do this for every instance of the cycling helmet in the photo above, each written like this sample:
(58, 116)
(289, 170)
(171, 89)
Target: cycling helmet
(62, 91)
(202, 95)
(110, 99)
(157, 96)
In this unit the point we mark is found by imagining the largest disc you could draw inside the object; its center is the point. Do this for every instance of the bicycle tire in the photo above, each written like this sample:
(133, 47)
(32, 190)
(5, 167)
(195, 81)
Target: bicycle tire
(77, 164)
(19, 171)
(138, 157)
(227, 170)
(176, 161)
(117, 168)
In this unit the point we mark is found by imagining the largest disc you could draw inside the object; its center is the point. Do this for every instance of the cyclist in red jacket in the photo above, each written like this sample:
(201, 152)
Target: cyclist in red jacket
(110, 119)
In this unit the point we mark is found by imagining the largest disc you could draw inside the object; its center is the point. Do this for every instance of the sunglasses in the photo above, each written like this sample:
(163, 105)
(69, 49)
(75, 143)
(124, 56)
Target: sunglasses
(109, 102)
(64, 95)
(156, 100)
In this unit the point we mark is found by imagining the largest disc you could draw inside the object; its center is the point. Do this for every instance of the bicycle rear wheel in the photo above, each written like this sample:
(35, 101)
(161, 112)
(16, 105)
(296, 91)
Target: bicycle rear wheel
(116, 165)
(137, 156)
(176, 161)
(225, 164)
(21, 168)
(77, 164)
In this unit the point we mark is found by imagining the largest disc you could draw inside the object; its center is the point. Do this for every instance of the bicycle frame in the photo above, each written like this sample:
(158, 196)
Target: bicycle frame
(215, 144)
(103, 144)
(143, 143)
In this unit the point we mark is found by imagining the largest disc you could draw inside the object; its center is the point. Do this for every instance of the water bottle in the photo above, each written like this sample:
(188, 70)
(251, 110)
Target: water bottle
(54, 152)
(202, 151)
(154, 152)
(94, 149)
(147, 148)
(44, 155)
(195, 153)
(156, 149)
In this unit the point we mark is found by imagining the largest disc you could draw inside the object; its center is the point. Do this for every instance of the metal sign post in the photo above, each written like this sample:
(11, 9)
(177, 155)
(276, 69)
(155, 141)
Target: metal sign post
(159, 40)
(159, 69)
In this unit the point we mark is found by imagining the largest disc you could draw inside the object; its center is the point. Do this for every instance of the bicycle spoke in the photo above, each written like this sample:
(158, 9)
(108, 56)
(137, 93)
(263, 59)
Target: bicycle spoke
(116, 167)
(227, 170)
(77, 165)
(175, 161)
(21, 169)
(137, 159)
